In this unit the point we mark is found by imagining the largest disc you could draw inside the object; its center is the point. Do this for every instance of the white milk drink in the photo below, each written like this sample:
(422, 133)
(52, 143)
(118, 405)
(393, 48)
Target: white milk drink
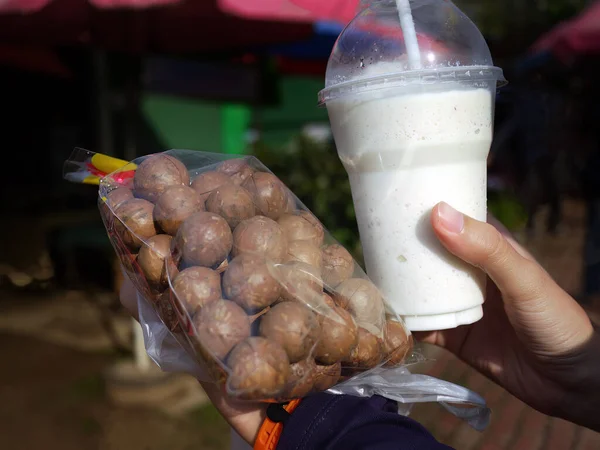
(408, 140)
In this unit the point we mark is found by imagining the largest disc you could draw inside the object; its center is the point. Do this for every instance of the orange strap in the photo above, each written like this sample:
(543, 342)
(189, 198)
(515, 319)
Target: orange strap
(269, 433)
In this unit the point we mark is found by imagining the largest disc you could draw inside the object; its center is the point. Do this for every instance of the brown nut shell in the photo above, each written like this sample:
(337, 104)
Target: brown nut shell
(152, 260)
(326, 376)
(135, 222)
(294, 326)
(367, 353)
(259, 369)
(397, 344)
(306, 252)
(207, 182)
(363, 300)
(328, 300)
(269, 193)
(232, 202)
(291, 203)
(301, 380)
(261, 236)
(204, 239)
(156, 173)
(176, 204)
(238, 170)
(339, 336)
(300, 282)
(310, 218)
(298, 227)
(338, 265)
(249, 282)
(196, 287)
(220, 325)
(118, 196)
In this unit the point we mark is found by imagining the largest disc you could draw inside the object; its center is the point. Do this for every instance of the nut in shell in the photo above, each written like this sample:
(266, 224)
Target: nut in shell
(298, 227)
(136, 222)
(301, 381)
(238, 170)
(261, 236)
(294, 326)
(397, 344)
(204, 239)
(220, 325)
(174, 205)
(363, 300)
(151, 259)
(338, 265)
(300, 282)
(249, 282)
(306, 252)
(367, 353)
(116, 197)
(156, 173)
(312, 219)
(259, 369)
(205, 183)
(196, 287)
(232, 202)
(339, 336)
(269, 193)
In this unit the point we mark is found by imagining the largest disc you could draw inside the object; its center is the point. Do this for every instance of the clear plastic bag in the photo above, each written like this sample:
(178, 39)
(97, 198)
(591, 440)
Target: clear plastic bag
(239, 284)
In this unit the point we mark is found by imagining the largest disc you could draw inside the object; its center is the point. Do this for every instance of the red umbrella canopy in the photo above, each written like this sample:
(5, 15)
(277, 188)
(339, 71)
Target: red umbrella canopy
(29, 6)
(574, 38)
(186, 26)
(293, 10)
(22, 6)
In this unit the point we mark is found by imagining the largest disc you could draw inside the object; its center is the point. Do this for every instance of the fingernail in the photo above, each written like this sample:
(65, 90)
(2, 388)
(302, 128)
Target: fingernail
(452, 220)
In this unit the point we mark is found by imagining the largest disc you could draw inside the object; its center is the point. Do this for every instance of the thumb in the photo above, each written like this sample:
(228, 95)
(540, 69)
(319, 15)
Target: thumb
(542, 313)
(514, 272)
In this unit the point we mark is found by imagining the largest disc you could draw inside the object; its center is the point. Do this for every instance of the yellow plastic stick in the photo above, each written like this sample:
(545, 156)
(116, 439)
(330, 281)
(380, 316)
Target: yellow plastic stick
(108, 164)
(91, 179)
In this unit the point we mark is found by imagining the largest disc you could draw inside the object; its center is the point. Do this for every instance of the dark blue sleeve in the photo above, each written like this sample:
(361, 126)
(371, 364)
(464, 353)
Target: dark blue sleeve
(341, 422)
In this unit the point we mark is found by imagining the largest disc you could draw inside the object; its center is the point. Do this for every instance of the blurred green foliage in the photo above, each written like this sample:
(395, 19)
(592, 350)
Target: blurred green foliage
(313, 171)
(507, 209)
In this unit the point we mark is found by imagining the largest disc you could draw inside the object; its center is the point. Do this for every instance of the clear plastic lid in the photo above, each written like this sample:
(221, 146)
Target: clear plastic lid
(376, 51)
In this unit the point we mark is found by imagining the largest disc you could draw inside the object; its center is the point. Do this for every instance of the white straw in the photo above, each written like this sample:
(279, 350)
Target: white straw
(410, 35)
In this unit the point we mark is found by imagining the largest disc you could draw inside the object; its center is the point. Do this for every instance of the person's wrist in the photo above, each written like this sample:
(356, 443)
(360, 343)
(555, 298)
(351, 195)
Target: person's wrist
(582, 393)
(244, 417)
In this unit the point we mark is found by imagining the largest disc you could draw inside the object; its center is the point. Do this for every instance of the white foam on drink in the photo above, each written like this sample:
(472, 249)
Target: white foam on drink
(404, 153)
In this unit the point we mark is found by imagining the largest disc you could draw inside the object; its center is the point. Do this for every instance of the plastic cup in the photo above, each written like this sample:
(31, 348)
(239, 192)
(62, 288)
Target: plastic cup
(410, 139)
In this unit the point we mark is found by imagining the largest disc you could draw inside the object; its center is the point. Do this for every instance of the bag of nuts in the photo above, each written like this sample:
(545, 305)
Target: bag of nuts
(243, 276)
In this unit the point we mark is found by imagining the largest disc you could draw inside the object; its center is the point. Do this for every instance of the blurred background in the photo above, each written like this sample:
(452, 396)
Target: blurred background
(131, 77)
